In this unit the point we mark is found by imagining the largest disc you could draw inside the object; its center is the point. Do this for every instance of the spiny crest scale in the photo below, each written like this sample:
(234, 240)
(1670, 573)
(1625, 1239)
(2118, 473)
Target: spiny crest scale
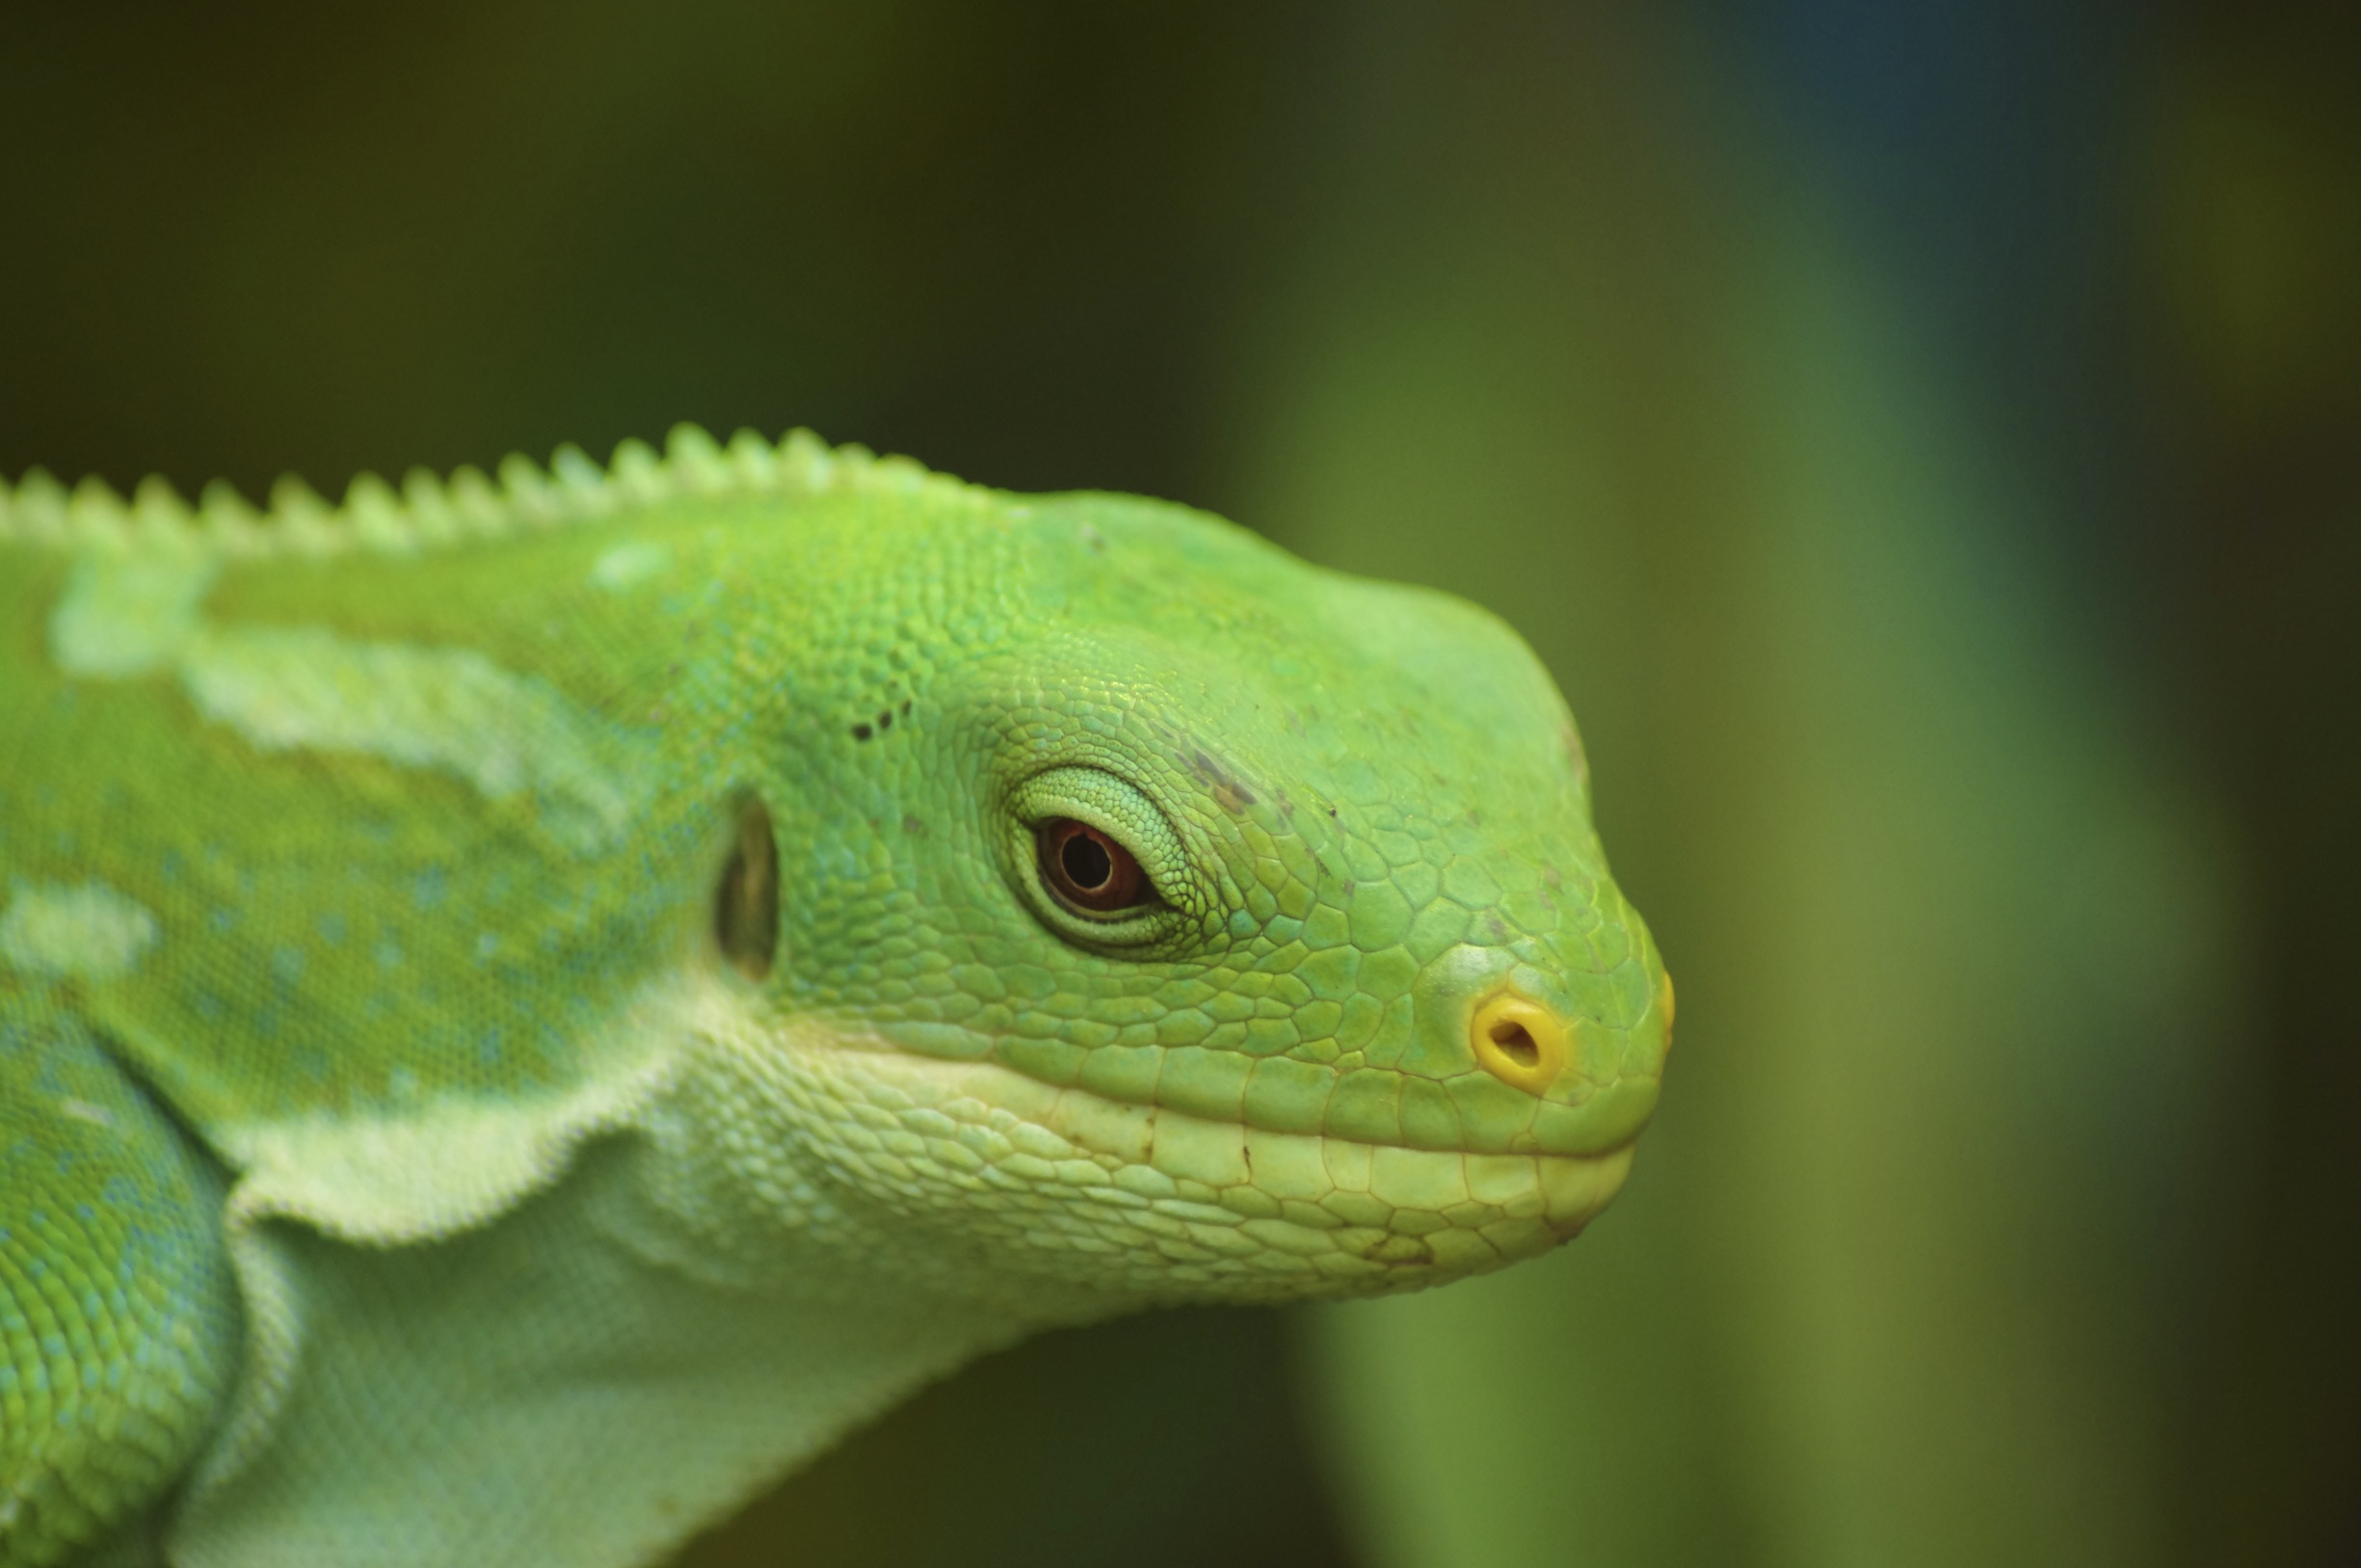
(430, 510)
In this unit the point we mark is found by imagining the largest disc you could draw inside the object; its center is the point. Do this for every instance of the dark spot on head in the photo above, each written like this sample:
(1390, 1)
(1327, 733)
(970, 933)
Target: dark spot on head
(905, 708)
(860, 732)
(1399, 1251)
(1233, 796)
(917, 829)
(885, 720)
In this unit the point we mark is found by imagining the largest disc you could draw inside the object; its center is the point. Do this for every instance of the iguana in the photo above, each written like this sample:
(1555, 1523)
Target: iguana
(528, 1007)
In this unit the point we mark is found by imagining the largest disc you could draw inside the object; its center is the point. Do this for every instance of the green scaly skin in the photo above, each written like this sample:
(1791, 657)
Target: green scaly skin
(417, 1145)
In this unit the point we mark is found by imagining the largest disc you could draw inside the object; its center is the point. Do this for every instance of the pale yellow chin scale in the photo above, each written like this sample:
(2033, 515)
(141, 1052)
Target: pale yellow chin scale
(1157, 1204)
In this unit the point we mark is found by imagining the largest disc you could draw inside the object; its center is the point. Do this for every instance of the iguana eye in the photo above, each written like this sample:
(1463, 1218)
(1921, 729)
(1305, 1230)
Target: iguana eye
(1100, 864)
(1088, 869)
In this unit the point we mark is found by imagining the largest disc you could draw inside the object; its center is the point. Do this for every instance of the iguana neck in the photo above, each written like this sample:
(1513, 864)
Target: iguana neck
(681, 1315)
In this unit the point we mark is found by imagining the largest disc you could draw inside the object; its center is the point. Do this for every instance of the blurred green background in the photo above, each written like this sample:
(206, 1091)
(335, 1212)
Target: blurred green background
(1924, 440)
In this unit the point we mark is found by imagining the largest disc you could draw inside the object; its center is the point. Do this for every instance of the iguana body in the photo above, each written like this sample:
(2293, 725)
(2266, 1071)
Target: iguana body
(525, 1010)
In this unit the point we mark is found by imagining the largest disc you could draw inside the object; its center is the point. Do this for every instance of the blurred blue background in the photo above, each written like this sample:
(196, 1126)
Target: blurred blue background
(1924, 440)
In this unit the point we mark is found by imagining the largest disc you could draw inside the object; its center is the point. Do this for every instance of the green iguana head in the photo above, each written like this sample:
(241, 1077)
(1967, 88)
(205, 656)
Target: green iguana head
(1164, 915)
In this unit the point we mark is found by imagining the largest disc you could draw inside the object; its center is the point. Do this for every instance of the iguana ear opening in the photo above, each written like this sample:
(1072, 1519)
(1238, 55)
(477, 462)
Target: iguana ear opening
(746, 902)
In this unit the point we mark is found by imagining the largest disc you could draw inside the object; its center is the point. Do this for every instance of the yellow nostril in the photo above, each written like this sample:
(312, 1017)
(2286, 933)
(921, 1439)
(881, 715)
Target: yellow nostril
(1519, 1042)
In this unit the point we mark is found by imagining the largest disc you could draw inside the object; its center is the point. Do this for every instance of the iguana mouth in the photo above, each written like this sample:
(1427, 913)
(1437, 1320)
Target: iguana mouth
(1519, 1084)
(1228, 1187)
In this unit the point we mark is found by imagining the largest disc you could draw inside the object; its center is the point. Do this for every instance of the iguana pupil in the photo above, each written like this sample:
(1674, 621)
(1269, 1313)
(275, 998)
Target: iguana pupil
(1089, 865)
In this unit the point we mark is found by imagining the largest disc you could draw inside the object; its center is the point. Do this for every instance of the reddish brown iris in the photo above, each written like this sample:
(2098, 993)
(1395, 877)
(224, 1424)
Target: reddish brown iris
(1087, 868)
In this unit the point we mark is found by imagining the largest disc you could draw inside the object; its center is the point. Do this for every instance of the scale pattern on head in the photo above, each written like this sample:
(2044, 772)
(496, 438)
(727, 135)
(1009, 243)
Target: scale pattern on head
(1373, 920)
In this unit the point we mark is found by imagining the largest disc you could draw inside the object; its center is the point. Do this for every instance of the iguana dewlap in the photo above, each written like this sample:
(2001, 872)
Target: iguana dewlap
(526, 1009)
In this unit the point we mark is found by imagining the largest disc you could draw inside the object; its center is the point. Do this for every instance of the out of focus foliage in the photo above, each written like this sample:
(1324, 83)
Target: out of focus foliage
(1925, 441)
